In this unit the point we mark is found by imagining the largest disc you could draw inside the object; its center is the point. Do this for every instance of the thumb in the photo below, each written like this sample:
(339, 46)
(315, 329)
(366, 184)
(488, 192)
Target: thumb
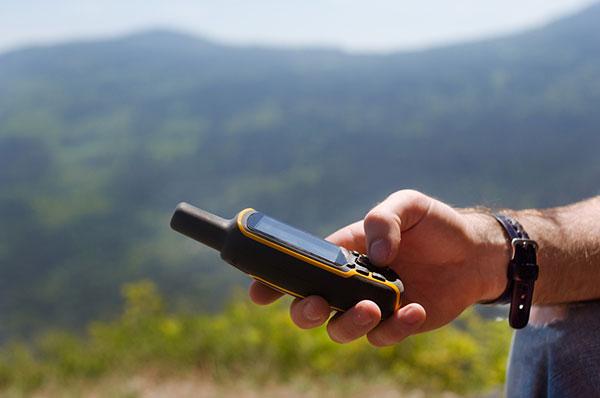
(385, 223)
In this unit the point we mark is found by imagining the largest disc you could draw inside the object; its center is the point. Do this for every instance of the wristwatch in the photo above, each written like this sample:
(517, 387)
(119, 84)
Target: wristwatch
(522, 272)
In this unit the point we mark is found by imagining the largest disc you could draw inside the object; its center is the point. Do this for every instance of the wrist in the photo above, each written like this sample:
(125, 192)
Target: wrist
(491, 255)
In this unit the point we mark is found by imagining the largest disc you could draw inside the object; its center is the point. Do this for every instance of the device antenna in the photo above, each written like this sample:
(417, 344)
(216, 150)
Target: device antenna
(200, 225)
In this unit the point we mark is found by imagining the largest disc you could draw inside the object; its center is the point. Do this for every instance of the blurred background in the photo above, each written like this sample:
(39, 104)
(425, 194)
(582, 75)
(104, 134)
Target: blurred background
(113, 112)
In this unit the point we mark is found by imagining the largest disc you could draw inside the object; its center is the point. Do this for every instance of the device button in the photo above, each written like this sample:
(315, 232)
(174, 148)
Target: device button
(389, 274)
(378, 276)
(362, 270)
(364, 261)
(355, 253)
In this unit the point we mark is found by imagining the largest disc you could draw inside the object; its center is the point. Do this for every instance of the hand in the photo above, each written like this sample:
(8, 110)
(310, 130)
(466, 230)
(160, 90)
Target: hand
(446, 259)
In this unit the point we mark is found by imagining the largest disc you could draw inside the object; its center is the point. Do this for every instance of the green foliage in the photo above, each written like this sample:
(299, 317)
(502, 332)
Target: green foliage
(259, 344)
(100, 140)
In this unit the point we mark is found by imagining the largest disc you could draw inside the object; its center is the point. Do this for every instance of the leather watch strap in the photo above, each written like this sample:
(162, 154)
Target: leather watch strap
(522, 272)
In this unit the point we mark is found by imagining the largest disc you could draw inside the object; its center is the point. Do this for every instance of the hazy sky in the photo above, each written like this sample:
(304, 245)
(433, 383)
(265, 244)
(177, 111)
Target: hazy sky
(374, 25)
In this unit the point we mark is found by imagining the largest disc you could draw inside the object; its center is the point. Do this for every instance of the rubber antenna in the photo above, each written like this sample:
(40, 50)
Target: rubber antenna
(200, 225)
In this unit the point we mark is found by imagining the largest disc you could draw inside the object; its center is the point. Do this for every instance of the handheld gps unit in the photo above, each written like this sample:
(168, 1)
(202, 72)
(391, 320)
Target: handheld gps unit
(290, 260)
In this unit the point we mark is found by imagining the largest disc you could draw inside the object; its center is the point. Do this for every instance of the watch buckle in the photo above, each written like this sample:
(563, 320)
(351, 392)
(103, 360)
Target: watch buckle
(523, 243)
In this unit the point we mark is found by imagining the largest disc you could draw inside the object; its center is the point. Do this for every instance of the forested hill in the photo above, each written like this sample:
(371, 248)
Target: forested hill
(100, 140)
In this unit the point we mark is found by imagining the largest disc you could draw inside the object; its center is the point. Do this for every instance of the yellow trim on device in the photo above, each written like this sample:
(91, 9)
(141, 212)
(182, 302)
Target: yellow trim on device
(309, 260)
(274, 286)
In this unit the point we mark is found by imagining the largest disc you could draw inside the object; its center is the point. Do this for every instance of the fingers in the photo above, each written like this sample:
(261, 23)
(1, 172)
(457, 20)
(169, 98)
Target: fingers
(385, 222)
(365, 317)
(362, 319)
(309, 312)
(405, 322)
(262, 294)
(354, 323)
(313, 311)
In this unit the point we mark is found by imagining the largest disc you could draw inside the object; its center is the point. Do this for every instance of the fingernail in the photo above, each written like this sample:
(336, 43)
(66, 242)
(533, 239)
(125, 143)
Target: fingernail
(310, 312)
(411, 316)
(379, 252)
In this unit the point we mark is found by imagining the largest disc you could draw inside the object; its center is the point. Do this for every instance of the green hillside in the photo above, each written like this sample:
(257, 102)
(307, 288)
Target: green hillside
(100, 140)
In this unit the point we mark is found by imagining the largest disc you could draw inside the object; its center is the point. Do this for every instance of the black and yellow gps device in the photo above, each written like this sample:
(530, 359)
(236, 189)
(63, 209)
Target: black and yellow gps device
(290, 260)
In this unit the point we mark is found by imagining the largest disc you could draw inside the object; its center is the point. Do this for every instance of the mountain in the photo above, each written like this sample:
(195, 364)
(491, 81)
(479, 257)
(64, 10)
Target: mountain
(100, 140)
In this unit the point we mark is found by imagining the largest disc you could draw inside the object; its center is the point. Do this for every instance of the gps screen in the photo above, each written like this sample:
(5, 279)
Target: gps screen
(296, 238)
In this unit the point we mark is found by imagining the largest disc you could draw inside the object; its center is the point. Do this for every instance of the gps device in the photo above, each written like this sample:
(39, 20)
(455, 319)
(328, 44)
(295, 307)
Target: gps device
(290, 260)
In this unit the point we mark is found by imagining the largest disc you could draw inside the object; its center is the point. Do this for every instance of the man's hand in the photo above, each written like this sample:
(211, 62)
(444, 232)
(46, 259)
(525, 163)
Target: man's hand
(447, 260)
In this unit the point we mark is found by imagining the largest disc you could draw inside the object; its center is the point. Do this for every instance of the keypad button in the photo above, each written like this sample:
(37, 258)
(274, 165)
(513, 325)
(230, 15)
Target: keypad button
(362, 270)
(378, 277)
(389, 274)
(364, 261)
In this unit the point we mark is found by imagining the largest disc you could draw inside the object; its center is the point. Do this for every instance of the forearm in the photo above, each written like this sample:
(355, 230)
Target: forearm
(569, 251)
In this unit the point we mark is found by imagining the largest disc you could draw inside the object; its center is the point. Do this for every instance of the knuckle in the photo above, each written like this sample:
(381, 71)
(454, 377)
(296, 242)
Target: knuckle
(404, 194)
(376, 216)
